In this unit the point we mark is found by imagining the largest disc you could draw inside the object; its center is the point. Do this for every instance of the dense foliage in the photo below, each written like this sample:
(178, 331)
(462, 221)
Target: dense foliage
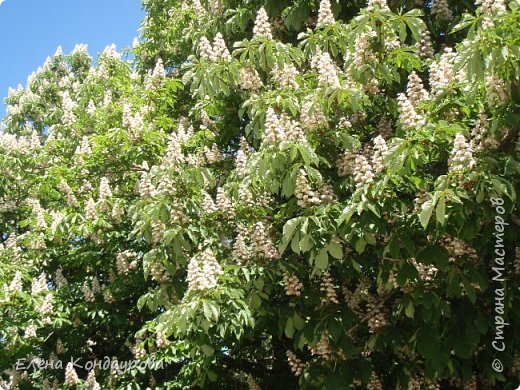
(269, 194)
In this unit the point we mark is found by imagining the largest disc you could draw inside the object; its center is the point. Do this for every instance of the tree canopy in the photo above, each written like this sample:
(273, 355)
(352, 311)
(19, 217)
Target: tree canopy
(268, 194)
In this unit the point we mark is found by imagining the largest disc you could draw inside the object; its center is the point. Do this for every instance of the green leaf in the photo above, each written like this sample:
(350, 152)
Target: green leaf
(298, 321)
(360, 245)
(440, 211)
(207, 349)
(289, 328)
(322, 260)
(428, 343)
(335, 249)
(288, 231)
(409, 310)
(426, 213)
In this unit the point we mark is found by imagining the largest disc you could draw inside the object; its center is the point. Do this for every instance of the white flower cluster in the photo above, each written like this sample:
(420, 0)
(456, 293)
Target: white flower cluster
(107, 296)
(363, 53)
(208, 205)
(479, 135)
(245, 196)
(312, 116)
(123, 264)
(327, 70)
(241, 157)
(72, 201)
(68, 106)
(325, 14)
(250, 79)
(117, 213)
(292, 284)
(441, 10)
(424, 46)
(498, 90)
(30, 332)
(84, 148)
(420, 199)
(91, 382)
(380, 152)
(363, 173)
(60, 279)
(461, 158)
(241, 253)
(327, 286)
(200, 11)
(217, 52)
(203, 271)
(374, 4)
(263, 246)
(133, 121)
(174, 155)
(346, 163)
(216, 7)
(491, 7)
(88, 292)
(408, 116)
(442, 73)
(427, 272)
(374, 382)
(458, 248)
(16, 283)
(295, 363)
(47, 306)
(38, 212)
(90, 210)
(111, 52)
(219, 48)
(274, 131)
(155, 78)
(262, 27)
(224, 203)
(304, 194)
(161, 340)
(104, 189)
(378, 317)
(39, 285)
(286, 76)
(415, 90)
(323, 348)
(145, 187)
(71, 377)
(158, 272)
(157, 231)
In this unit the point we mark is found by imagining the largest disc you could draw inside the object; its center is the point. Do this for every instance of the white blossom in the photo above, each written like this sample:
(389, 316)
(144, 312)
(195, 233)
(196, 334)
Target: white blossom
(250, 79)
(286, 76)
(409, 118)
(220, 51)
(325, 14)
(203, 271)
(442, 73)
(415, 90)
(71, 377)
(461, 158)
(327, 71)
(362, 171)
(441, 10)
(262, 27)
(380, 151)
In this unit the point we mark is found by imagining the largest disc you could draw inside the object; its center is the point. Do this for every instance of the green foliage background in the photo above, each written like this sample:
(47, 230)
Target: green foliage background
(395, 274)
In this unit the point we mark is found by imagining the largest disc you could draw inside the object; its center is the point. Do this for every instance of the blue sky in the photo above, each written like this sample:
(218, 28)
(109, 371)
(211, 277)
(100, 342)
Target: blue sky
(31, 30)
